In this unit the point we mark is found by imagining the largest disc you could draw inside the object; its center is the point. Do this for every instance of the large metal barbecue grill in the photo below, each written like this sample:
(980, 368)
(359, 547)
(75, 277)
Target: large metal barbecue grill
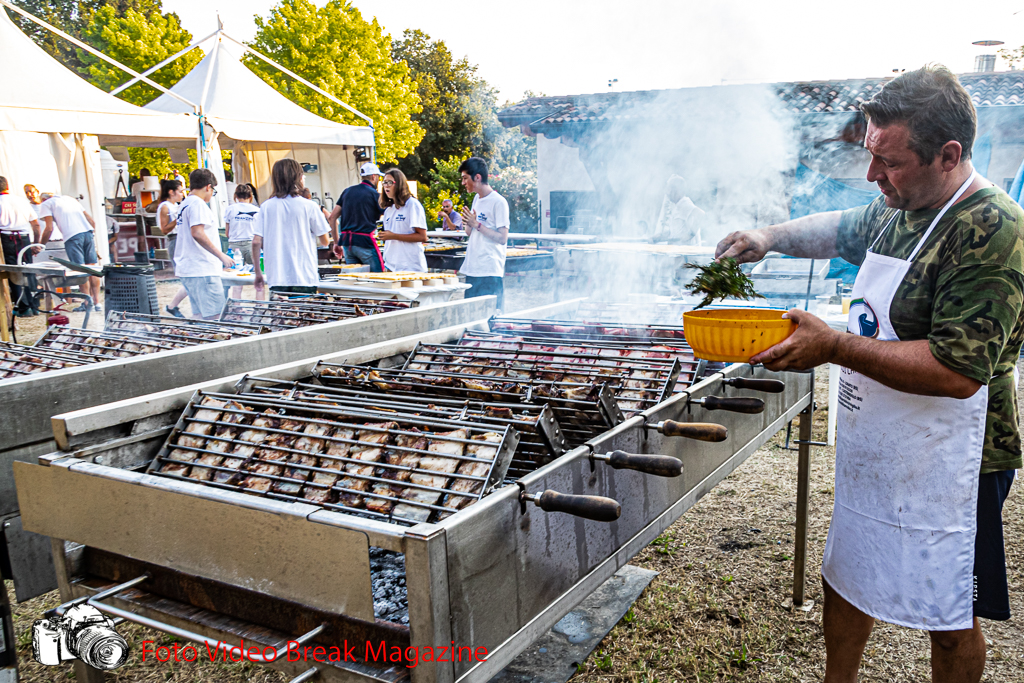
(287, 313)
(78, 379)
(496, 574)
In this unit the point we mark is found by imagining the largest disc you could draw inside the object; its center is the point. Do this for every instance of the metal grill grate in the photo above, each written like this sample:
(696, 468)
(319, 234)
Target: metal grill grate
(395, 466)
(575, 329)
(17, 360)
(583, 409)
(187, 330)
(110, 344)
(540, 436)
(286, 314)
(638, 380)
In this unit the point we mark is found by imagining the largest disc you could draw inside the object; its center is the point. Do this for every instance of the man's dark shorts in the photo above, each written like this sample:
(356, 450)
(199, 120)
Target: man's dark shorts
(483, 286)
(991, 597)
(292, 289)
(81, 248)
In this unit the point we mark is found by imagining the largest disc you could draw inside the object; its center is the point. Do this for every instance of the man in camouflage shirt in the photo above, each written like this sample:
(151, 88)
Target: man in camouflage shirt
(956, 329)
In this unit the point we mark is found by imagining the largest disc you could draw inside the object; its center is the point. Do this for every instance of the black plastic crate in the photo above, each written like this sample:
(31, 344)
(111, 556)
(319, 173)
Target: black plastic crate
(131, 289)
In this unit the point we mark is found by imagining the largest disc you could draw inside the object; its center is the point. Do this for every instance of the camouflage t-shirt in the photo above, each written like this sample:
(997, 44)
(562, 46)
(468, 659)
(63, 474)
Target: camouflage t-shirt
(964, 293)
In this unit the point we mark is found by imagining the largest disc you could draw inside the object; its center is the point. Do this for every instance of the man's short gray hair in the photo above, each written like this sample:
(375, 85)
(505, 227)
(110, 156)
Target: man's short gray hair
(933, 105)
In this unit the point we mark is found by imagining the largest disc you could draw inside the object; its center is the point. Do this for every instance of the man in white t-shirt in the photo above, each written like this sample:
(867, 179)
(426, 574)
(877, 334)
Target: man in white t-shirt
(19, 227)
(679, 220)
(487, 224)
(198, 260)
(78, 229)
(287, 229)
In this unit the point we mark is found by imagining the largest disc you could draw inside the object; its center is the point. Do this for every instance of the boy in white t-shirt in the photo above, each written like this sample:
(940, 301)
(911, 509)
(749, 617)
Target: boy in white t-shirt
(238, 220)
(487, 224)
(198, 260)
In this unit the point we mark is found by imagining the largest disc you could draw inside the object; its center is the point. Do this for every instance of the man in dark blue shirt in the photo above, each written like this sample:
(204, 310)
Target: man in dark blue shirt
(359, 209)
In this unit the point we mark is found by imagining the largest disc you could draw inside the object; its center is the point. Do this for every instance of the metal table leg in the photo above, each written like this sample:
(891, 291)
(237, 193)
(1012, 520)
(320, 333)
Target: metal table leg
(8, 643)
(803, 480)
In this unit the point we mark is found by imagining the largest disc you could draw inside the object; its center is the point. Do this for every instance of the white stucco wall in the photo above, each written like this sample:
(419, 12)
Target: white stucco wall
(559, 169)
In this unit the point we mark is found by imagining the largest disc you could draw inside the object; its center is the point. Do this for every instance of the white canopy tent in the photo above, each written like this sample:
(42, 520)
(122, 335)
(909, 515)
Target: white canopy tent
(239, 111)
(52, 123)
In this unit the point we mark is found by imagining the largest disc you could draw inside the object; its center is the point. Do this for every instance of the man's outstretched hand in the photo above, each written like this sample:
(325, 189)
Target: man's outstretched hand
(812, 344)
(746, 246)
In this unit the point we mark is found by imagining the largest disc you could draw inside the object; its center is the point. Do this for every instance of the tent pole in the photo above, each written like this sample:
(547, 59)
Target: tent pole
(93, 51)
(194, 45)
(299, 78)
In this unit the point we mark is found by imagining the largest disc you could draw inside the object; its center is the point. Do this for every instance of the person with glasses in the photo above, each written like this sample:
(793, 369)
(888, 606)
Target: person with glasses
(405, 225)
(198, 260)
(358, 210)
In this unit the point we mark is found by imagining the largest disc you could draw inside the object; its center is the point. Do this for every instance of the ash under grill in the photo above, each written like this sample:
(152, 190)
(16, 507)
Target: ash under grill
(392, 466)
(288, 313)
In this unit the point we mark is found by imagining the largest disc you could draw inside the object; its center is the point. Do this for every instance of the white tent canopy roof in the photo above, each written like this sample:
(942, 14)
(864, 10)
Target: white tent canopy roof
(41, 95)
(239, 105)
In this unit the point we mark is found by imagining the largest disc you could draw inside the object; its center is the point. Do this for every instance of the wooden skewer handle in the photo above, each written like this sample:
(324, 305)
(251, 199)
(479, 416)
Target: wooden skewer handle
(701, 431)
(597, 508)
(768, 386)
(658, 465)
(751, 406)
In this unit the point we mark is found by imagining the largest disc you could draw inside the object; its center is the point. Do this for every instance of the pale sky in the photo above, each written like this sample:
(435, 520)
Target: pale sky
(560, 47)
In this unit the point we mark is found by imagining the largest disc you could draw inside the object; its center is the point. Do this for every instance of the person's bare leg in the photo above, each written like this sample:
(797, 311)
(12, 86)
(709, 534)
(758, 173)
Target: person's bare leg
(179, 296)
(958, 656)
(846, 633)
(236, 292)
(261, 292)
(95, 293)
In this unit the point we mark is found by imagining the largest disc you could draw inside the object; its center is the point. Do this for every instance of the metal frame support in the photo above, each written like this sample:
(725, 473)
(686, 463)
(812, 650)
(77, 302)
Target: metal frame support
(803, 481)
(8, 643)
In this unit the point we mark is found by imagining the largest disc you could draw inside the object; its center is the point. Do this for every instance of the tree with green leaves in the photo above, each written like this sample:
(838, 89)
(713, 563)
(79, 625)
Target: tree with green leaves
(139, 38)
(72, 17)
(341, 53)
(458, 106)
(138, 41)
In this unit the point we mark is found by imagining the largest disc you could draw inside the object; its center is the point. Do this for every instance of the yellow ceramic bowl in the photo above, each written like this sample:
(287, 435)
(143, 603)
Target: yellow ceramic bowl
(734, 334)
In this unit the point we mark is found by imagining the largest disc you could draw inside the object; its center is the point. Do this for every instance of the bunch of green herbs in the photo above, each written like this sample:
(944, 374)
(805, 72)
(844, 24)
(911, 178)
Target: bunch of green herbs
(721, 279)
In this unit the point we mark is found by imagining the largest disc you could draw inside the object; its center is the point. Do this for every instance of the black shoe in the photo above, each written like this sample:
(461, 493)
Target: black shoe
(176, 312)
(81, 309)
(26, 314)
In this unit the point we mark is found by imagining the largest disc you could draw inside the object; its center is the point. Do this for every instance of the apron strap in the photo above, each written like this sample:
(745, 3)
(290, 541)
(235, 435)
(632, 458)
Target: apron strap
(952, 200)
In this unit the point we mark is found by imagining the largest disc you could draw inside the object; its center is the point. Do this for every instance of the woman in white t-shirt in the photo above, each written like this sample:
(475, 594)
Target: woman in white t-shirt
(405, 225)
(171, 194)
(287, 230)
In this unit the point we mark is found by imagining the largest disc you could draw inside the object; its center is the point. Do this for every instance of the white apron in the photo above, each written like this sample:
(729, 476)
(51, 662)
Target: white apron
(901, 544)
